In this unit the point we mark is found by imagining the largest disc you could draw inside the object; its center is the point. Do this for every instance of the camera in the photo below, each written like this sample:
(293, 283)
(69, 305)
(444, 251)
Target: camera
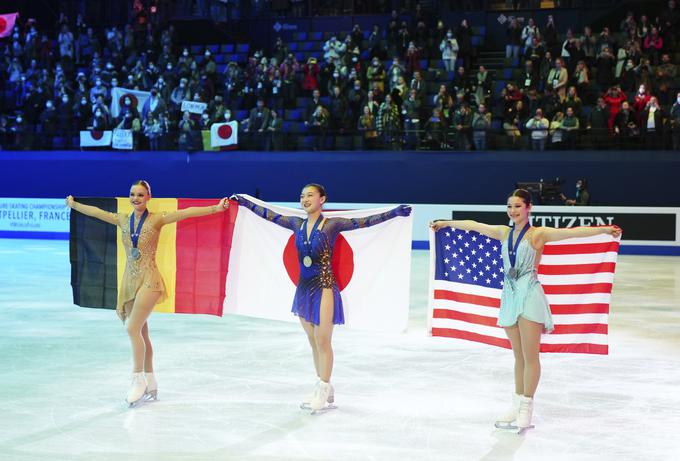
(544, 192)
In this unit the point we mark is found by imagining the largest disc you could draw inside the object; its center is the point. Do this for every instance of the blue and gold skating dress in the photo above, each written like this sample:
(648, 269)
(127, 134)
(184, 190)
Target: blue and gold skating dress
(319, 248)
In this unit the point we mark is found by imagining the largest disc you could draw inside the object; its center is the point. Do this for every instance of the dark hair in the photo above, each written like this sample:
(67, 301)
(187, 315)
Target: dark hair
(318, 187)
(144, 184)
(584, 183)
(524, 194)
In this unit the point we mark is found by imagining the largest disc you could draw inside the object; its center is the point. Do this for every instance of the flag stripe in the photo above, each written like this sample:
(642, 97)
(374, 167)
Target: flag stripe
(580, 248)
(595, 308)
(165, 253)
(465, 317)
(92, 250)
(577, 289)
(584, 348)
(564, 269)
(587, 258)
(470, 336)
(467, 298)
(202, 245)
(576, 279)
(498, 332)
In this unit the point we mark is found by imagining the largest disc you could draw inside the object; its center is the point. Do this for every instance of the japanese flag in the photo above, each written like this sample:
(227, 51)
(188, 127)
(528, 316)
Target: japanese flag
(7, 23)
(224, 134)
(95, 138)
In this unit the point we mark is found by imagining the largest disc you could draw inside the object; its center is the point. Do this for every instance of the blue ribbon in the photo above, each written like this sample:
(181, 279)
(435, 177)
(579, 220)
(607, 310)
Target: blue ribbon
(134, 236)
(308, 243)
(512, 254)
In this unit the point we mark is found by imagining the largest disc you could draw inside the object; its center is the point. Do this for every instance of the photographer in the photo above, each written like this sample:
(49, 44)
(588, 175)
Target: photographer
(582, 195)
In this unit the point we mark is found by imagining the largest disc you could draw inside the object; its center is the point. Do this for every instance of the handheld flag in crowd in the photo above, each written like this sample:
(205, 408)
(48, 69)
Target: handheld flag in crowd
(7, 22)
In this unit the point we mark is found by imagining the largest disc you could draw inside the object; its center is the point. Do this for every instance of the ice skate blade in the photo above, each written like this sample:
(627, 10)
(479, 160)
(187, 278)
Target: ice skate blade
(504, 425)
(136, 403)
(151, 396)
(513, 427)
(305, 406)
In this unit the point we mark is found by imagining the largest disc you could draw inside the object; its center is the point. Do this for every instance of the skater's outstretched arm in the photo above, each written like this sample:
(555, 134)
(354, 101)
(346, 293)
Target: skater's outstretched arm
(93, 211)
(194, 212)
(345, 224)
(543, 235)
(494, 232)
(289, 222)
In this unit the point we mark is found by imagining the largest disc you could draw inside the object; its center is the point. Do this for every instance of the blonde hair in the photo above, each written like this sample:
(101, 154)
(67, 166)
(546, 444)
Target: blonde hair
(144, 184)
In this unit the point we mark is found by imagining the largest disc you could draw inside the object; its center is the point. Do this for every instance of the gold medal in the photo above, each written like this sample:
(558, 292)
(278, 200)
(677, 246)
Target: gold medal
(307, 261)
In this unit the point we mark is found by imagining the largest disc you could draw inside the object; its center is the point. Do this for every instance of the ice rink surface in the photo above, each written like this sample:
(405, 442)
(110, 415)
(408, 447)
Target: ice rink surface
(230, 387)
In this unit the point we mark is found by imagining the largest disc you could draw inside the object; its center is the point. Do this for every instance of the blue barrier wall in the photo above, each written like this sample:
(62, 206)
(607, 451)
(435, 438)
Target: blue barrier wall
(616, 178)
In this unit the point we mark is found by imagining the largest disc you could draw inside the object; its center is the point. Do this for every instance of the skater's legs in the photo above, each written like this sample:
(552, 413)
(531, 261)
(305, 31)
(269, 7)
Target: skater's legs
(148, 349)
(309, 330)
(513, 334)
(530, 334)
(144, 303)
(323, 334)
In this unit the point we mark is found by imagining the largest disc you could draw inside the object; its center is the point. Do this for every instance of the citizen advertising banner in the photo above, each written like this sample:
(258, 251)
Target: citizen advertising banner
(645, 230)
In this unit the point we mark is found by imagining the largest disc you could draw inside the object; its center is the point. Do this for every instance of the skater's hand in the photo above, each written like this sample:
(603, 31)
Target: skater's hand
(70, 202)
(120, 311)
(439, 224)
(614, 231)
(403, 210)
(224, 204)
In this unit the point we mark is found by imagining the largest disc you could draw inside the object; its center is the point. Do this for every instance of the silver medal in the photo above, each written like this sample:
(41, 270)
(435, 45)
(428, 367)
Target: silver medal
(307, 261)
(135, 253)
(512, 273)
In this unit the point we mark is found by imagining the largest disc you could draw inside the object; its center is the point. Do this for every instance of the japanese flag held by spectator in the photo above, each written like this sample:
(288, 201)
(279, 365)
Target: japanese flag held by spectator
(7, 23)
(224, 134)
(118, 96)
(95, 138)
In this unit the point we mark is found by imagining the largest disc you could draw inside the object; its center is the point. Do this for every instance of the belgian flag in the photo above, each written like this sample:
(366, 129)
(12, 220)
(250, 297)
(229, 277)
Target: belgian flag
(192, 256)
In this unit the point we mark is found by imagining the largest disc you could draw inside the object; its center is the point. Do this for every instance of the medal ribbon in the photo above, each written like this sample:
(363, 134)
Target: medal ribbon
(134, 234)
(308, 243)
(512, 254)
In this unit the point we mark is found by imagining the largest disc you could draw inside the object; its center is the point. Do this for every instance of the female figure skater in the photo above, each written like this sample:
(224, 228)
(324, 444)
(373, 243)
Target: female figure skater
(142, 287)
(317, 299)
(525, 312)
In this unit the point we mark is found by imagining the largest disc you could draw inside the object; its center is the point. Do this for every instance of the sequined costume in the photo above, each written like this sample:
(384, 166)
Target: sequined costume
(141, 272)
(319, 275)
(524, 295)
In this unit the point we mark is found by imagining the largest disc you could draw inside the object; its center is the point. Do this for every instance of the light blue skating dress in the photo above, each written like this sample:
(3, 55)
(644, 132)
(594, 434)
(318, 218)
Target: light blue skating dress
(524, 295)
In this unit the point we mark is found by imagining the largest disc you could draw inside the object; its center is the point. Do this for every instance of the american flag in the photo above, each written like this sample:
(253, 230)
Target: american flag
(466, 275)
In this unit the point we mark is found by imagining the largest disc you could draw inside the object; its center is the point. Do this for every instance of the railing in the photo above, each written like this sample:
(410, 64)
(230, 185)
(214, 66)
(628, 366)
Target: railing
(446, 139)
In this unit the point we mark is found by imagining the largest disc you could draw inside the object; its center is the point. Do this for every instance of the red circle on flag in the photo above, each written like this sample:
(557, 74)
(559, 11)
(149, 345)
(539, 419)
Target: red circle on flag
(342, 263)
(224, 132)
(97, 134)
(3, 25)
(133, 100)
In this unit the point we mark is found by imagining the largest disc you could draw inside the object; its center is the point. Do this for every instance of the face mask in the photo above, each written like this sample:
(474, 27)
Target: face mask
(98, 114)
(357, 87)
(205, 116)
(186, 53)
(19, 120)
(64, 100)
(336, 75)
(678, 100)
(127, 102)
(449, 35)
(181, 85)
(227, 115)
(48, 105)
(169, 67)
(83, 101)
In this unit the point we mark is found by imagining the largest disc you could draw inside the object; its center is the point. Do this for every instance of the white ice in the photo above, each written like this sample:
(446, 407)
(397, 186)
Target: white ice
(230, 387)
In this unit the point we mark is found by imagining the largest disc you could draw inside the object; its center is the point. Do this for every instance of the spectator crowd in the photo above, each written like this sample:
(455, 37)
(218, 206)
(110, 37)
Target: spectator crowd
(413, 84)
